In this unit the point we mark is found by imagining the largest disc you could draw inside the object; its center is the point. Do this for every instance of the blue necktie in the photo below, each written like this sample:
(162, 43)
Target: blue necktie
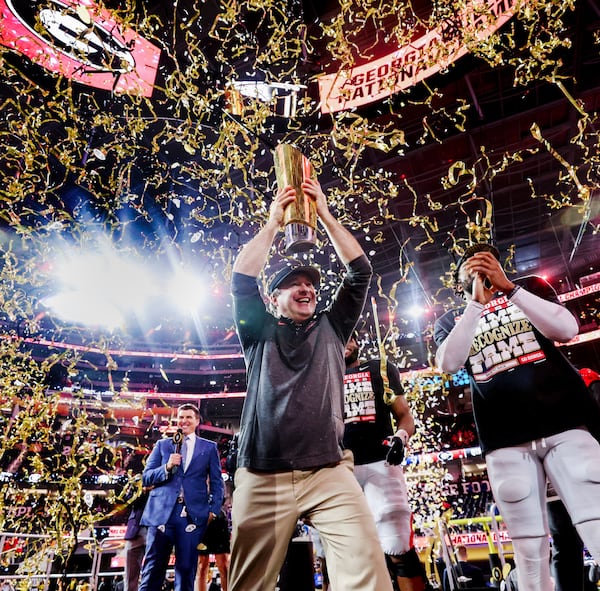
(184, 449)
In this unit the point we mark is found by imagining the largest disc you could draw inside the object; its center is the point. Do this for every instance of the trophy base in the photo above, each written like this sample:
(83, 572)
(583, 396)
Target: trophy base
(299, 237)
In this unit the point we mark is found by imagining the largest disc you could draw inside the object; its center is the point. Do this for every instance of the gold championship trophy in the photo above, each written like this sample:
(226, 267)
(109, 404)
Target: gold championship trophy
(300, 216)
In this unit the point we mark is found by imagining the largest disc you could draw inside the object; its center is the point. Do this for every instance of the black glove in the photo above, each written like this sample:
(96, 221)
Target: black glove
(395, 454)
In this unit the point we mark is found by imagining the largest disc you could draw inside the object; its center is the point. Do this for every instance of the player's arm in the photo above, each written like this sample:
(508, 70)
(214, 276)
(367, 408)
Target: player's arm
(453, 347)
(405, 424)
(346, 246)
(551, 318)
(538, 300)
(404, 419)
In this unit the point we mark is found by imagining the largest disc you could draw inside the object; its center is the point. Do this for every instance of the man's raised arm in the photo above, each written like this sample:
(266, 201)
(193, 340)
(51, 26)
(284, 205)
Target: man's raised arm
(253, 257)
(344, 243)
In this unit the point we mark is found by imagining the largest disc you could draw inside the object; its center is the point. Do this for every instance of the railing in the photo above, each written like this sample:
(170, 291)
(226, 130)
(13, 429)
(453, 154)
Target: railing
(37, 564)
(495, 545)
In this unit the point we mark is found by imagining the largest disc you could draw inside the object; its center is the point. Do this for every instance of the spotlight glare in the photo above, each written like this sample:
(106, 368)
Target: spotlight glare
(185, 291)
(416, 311)
(85, 308)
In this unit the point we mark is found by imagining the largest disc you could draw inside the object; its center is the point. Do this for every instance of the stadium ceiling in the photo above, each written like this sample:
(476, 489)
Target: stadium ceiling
(152, 125)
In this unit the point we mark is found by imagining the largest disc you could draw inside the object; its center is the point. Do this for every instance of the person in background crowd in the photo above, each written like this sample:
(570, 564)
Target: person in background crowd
(135, 543)
(298, 569)
(321, 561)
(216, 541)
(467, 575)
(532, 409)
(186, 494)
(290, 462)
(371, 407)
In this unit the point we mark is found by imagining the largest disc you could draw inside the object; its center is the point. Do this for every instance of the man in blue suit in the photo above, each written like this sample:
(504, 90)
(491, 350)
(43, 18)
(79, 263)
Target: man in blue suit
(184, 474)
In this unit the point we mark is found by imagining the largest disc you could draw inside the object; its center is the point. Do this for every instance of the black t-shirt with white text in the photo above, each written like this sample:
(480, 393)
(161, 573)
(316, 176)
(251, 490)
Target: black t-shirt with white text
(523, 387)
(367, 417)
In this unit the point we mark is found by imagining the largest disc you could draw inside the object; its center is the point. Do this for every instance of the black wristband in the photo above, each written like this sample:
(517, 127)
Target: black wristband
(513, 291)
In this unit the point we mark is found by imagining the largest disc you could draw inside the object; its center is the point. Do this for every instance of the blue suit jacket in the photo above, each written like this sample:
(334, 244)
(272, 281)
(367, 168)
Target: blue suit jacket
(201, 497)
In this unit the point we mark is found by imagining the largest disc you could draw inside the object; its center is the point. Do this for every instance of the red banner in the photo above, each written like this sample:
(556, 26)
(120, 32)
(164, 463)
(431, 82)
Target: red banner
(423, 57)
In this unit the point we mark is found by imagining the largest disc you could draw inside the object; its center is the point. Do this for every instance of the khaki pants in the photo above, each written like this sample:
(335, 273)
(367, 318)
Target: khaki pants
(266, 507)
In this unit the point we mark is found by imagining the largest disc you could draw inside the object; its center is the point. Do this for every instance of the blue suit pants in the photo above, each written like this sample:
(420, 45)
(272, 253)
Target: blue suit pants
(160, 544)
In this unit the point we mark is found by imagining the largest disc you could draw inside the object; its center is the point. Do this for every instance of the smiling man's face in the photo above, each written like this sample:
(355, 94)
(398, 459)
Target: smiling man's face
(187, 420)
(296, 298)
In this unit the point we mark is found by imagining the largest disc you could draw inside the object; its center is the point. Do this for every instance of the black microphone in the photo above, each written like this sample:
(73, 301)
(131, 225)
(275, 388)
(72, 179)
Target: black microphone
(178, 440)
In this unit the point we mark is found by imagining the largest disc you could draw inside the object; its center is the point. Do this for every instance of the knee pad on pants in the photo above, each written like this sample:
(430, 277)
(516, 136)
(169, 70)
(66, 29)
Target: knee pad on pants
(406, 565)
(513, 490)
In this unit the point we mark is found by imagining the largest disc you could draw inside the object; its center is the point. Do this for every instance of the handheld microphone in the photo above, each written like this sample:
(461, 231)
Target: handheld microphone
(178, 440)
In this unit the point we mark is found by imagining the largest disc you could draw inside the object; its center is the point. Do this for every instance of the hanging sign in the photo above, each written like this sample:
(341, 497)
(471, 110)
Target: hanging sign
(423, 57)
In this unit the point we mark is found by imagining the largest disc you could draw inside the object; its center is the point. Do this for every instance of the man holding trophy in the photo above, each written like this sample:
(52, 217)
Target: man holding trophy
(291, 464)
